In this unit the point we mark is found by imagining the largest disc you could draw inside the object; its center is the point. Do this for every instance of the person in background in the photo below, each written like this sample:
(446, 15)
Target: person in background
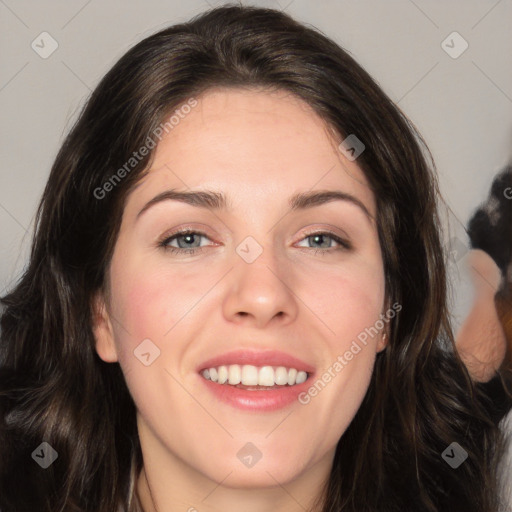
(484, 340)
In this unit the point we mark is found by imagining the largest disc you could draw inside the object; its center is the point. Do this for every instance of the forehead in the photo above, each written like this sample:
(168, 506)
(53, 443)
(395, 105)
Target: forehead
(252, 143)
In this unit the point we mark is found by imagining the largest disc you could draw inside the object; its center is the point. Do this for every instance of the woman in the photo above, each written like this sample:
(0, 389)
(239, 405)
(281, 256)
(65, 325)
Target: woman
(253, 370)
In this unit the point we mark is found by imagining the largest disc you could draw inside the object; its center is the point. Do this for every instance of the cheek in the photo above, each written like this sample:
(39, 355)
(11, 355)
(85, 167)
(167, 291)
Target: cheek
(151, 300)
(347, 300)
(336, 393)
(149, 304)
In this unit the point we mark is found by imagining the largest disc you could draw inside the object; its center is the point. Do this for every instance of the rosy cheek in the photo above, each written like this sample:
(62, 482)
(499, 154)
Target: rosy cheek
(155, 299)
(148, 307)
(347, 301)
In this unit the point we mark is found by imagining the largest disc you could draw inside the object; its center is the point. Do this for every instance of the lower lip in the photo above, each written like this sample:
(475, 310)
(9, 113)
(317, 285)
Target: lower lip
(257, 400)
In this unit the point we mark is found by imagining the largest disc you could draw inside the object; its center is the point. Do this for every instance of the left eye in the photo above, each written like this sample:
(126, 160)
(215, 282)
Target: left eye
(190, 237)
(320, 237)
(190, 242)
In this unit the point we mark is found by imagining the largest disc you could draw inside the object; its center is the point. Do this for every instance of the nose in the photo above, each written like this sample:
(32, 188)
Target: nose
(261, 292)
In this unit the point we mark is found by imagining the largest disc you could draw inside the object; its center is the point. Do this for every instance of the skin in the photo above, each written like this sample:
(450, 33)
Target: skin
(258, 148)
(481, 340)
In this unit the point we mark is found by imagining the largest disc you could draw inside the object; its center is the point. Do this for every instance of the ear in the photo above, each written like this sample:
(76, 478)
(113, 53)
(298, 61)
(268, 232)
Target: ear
(382, 342)
(102, 329)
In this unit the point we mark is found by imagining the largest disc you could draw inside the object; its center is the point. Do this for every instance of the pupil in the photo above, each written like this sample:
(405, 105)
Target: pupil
(317, 237)
(188, 238)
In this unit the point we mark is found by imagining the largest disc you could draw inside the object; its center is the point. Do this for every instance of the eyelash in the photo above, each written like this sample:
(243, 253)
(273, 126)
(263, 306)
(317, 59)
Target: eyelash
(344, 244)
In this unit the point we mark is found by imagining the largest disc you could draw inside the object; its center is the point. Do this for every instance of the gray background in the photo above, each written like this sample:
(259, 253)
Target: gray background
(462, 106)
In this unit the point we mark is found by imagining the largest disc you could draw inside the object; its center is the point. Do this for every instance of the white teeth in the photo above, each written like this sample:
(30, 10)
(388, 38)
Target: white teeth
(301, 377)
(234, 374)
(281, 376)
(250, 375)
(292, 375)
(223, 374)
(266, 376)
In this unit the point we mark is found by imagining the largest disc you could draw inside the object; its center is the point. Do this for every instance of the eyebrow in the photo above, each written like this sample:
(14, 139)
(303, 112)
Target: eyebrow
(218, 201)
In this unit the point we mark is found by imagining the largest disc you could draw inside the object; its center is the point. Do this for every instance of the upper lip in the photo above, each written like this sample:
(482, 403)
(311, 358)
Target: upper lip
(257, 358)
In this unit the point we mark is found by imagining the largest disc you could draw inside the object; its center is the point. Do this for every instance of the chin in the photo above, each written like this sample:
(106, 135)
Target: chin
(258, 477)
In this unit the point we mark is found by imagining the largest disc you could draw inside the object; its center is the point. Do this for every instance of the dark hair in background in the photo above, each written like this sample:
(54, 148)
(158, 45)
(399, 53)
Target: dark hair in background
(55, 388)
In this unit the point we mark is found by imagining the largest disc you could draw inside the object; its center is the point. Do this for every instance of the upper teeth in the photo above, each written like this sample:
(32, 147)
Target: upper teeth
(249, 375)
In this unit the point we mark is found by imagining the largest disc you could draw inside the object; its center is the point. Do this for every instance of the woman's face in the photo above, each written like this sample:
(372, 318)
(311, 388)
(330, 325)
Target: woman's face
(252, 278)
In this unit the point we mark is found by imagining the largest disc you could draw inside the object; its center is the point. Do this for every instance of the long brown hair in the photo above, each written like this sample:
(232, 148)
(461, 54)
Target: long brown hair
(53, 386)
(503, 302)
